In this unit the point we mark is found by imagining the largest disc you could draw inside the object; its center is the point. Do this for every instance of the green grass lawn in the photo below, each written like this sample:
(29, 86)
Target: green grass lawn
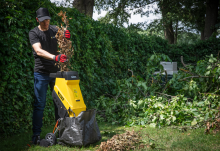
(164, 139)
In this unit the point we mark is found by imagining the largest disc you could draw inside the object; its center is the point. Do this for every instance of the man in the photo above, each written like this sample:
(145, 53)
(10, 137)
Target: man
(45, 51)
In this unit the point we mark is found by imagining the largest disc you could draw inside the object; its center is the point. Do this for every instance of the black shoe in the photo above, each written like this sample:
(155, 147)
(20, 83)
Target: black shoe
(44, 143)
(36, 139)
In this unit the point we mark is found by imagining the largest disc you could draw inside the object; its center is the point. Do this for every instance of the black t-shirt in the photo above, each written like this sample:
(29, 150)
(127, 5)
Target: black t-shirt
(48, 42)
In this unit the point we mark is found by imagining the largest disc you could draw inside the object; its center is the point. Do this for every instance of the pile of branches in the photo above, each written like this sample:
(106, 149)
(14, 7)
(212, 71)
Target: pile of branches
(130, 140)
(214, 125)
(64, 44)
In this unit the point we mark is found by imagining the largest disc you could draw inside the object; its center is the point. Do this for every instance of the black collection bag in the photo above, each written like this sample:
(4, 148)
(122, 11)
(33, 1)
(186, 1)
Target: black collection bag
(79, 131)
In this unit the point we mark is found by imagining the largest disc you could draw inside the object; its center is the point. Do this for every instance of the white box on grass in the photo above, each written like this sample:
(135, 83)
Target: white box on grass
(170, 67)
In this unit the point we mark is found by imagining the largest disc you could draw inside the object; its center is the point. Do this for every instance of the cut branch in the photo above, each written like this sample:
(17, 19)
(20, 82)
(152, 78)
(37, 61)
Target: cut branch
(195, 77)
(185, 66)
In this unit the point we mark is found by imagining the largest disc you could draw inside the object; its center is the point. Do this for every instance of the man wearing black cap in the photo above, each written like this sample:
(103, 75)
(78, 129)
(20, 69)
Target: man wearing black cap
(45, 51)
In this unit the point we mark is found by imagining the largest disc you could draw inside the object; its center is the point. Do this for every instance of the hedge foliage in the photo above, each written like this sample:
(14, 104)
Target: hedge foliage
(102, 55)
(194, 53)
(16, 69)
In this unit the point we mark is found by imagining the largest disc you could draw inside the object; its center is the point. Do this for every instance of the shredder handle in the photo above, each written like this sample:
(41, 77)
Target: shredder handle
(53, 75)
(68, 75)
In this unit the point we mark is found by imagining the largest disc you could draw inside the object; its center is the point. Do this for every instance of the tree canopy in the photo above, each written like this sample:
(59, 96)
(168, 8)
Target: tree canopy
(177, 15)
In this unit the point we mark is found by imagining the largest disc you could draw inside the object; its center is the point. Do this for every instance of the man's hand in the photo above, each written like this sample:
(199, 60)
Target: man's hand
(61, 57)
(67, 34)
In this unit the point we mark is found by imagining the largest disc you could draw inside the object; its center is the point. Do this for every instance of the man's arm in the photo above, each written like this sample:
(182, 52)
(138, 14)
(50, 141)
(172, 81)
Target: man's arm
(42, 53)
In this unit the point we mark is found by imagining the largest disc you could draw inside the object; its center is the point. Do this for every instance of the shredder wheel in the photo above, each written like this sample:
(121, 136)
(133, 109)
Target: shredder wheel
(51, 138)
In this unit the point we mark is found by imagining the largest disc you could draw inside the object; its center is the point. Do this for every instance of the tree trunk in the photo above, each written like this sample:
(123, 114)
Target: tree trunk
(84, 6)
(211, 17)
(167, 22)
(168, 33)
(176, 32)
(202, 35)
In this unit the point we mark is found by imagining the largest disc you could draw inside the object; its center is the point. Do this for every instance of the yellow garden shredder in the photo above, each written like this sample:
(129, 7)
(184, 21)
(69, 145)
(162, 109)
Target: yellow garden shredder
(77, 126)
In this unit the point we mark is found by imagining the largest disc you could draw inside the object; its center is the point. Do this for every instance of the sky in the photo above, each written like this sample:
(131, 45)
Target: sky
(134, 18)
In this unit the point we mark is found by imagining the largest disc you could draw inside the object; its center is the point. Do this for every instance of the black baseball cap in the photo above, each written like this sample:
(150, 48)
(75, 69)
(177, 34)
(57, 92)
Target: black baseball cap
(42, 14)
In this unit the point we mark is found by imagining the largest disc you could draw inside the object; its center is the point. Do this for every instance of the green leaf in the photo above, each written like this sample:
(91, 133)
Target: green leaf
(144, 85)
(140, 103)
(200, 103)
(211, 60)
(158, 104)
(161, 116)
(9, 17)
(20, 104)
(174, 118)
(16, 106)
(206, 116)
(152, 57)
(209, 67)
(194, 122)
(154, 118)
(152, 125)
(207, 73)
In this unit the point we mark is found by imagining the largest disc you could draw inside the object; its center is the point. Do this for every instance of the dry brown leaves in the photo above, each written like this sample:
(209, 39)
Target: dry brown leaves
(215, 125)
(64, 44)
(130, 140)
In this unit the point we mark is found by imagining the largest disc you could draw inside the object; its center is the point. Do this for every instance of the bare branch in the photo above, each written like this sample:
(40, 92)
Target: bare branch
(195, 77)
(185, 66)
(210, 93)
(165, 94)
(183, 62)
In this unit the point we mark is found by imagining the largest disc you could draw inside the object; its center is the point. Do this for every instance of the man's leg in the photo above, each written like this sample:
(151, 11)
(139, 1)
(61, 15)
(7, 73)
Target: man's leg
(40, 89)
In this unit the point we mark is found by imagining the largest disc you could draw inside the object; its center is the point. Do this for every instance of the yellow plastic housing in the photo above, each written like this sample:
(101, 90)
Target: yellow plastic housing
(70, 94)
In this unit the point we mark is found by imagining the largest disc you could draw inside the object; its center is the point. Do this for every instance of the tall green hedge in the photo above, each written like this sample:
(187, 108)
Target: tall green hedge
(17, 63)
(102, 54)
(195, 52)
